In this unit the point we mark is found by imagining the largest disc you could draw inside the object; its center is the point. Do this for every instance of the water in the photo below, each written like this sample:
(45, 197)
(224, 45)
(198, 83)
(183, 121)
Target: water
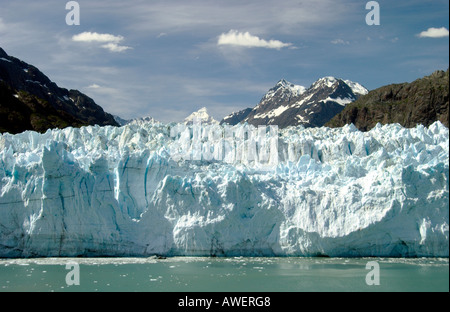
(191, 274)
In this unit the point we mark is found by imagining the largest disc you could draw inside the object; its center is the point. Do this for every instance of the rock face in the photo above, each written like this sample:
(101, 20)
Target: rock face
(110, 191)
(288, 104)
(29, 100)
(423, 101)
(236, 117)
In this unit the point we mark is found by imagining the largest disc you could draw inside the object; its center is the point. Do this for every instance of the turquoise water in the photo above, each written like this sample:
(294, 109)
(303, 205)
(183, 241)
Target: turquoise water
(188, 274)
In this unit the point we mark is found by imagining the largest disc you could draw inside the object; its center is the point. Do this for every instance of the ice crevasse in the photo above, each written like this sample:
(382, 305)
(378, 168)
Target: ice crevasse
(134, 191)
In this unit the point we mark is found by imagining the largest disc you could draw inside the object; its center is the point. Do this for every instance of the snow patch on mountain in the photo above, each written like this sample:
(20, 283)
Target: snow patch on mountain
(340, 101)
(325, 81)
(200, 116)
(287, 87)
(356, 87)
(287, 104)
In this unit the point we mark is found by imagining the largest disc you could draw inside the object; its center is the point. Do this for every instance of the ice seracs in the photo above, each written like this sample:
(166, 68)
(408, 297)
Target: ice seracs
(122, 122)
(132, 191)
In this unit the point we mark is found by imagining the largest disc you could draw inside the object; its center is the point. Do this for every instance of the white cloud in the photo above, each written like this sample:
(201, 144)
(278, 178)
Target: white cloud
(96, 37)
(111, 42)
(339, 41)
(114, 47)
(434, 33)
(233, 37)
(94, 86)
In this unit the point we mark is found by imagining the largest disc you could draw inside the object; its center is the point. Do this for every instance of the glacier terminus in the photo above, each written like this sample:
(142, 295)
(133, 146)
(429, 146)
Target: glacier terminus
(135, 191)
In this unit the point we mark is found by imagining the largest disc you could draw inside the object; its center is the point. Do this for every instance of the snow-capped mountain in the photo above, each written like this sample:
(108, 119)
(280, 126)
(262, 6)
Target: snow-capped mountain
(287, 104)
(201, 115)
(284, 89)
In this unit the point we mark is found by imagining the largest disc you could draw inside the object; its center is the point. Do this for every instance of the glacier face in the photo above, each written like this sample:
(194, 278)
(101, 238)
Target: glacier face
(172, 189)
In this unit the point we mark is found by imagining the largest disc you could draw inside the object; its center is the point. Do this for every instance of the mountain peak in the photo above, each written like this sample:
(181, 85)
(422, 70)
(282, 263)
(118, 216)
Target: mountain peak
(202, 115)
(328, 81)
(283, 83)
(287, 88)
(287, 104)
(356, 87)
(3, 53)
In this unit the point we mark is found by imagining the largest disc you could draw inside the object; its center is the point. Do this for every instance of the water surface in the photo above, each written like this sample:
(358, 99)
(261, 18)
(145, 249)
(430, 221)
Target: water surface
(192, 274)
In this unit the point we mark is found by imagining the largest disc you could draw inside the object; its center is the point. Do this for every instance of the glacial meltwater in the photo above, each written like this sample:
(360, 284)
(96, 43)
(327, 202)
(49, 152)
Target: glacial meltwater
(239, 274)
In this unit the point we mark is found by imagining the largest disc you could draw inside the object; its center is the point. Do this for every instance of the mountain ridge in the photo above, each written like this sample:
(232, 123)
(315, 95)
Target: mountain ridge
(29, 100)
(287, 104)
(422, 101)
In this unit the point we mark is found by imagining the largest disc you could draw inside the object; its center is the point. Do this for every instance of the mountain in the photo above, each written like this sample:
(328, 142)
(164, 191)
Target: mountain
(29, 100)
(422, 101)
(121, 121)
(202, 115)
(236, 117)
(287, 104)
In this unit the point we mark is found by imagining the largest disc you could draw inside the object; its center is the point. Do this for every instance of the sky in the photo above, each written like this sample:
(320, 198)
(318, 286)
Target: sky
(168, 58)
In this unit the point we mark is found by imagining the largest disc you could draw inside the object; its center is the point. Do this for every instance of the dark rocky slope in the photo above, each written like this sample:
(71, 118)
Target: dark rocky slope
(29, 100)
(423, 101)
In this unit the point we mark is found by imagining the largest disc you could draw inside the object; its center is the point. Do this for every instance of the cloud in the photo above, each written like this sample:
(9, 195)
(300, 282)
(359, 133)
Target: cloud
(339, 41)
(235, 38)
(111, 42)
(94, 86)
(434, 33)
(114, 47)
(95, 37)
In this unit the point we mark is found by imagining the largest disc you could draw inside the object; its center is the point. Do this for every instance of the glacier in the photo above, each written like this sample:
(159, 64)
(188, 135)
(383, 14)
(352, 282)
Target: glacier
(138, 190)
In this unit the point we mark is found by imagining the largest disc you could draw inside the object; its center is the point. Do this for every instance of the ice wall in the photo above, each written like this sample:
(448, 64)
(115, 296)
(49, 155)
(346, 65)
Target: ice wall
(150, 188)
